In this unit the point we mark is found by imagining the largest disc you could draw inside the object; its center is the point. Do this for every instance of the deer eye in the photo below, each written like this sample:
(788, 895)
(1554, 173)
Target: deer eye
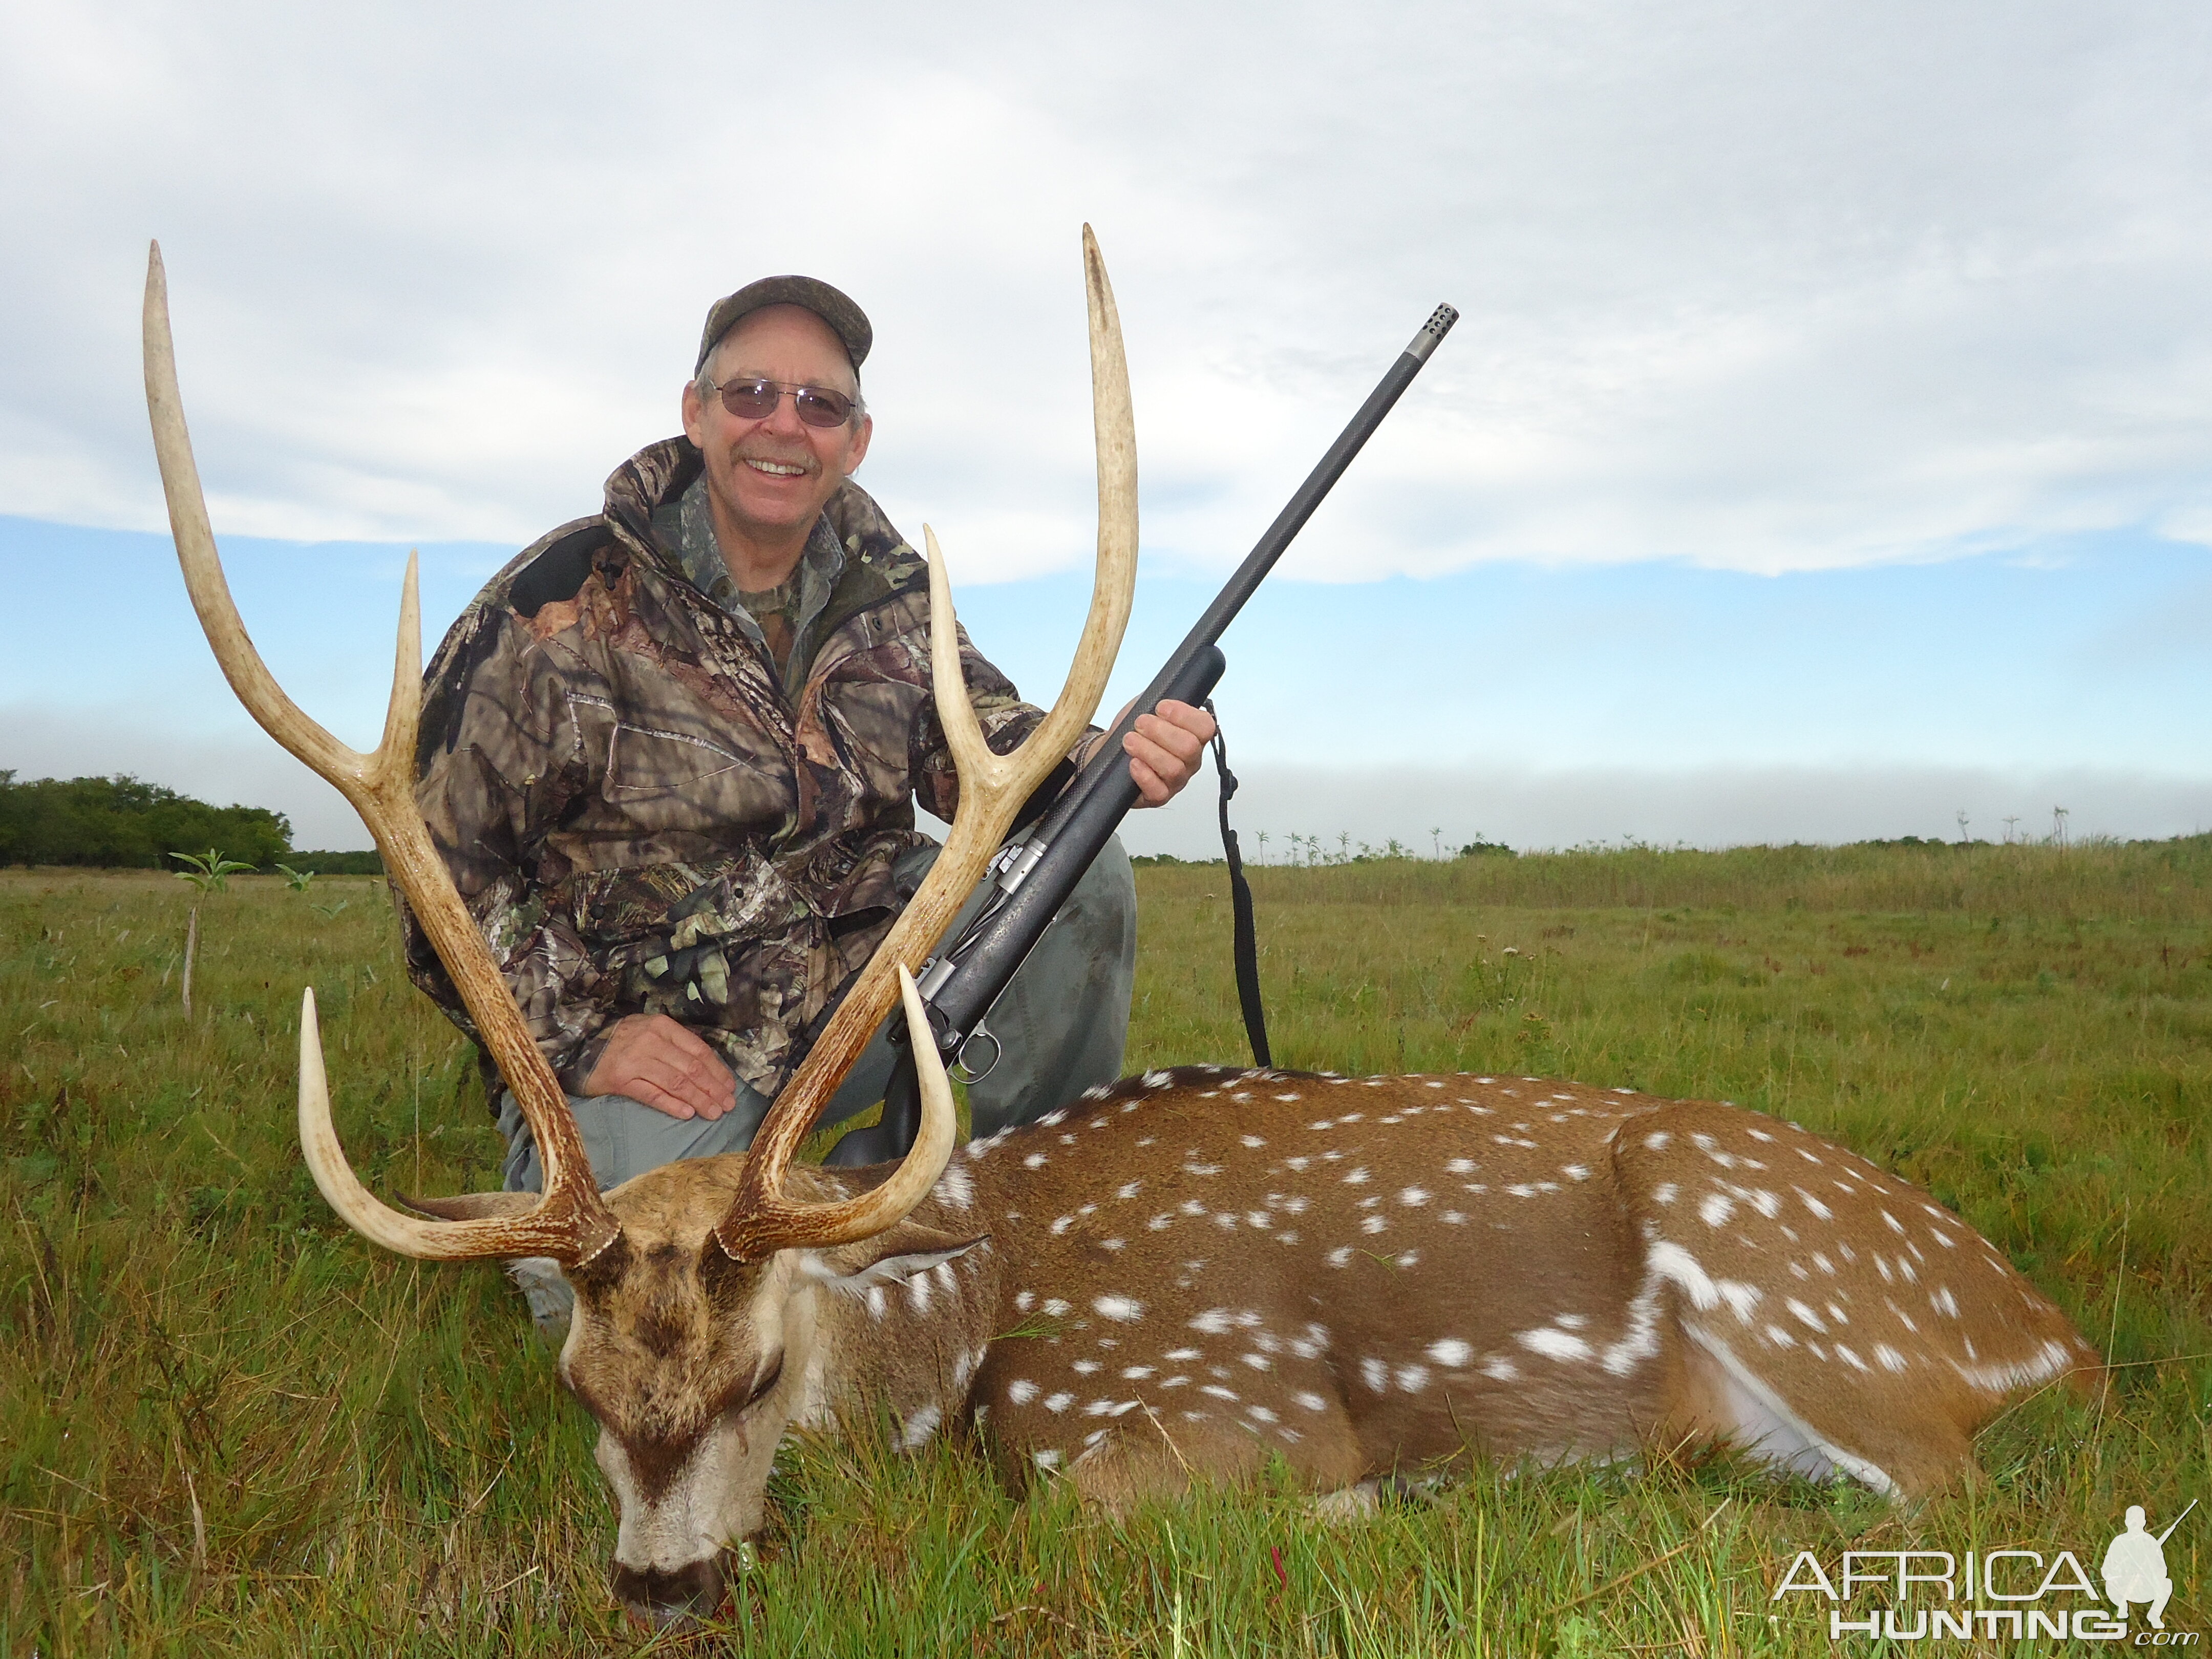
(766, 1386)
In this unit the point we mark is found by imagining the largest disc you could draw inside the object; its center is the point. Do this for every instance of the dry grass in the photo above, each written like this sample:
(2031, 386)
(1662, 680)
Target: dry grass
(227, 1425)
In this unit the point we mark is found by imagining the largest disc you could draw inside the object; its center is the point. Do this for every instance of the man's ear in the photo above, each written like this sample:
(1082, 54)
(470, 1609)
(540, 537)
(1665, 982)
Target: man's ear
(695, 413)
(900, 1254)
(861, 444)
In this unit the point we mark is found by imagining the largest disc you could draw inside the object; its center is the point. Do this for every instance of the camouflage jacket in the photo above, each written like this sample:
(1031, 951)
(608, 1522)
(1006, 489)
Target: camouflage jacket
(641, 817)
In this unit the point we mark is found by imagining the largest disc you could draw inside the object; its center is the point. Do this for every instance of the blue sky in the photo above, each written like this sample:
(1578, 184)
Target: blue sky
(1826, 447)
(1547, 705)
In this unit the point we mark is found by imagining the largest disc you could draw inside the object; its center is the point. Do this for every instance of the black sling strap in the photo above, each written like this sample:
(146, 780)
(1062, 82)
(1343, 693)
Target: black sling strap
(1240, 899)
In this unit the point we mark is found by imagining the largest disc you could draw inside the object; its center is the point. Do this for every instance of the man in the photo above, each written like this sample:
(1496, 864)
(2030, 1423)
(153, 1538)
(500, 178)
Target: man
(2134, 1568)
(671, 755)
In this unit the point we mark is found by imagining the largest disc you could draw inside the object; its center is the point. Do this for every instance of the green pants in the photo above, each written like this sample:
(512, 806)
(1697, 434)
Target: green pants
(1062, 1025)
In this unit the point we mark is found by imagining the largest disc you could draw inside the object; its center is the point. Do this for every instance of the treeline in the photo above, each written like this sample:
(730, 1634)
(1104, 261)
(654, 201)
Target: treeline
(122, 823)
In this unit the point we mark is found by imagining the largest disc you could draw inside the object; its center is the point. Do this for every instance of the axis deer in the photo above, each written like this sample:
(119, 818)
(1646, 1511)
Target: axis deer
(1195, 1270)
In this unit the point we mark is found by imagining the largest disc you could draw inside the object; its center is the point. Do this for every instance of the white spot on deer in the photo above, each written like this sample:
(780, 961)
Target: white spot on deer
(1298, 1164)
(942, 1272)
(1057, 1309)
(1519, 1189)
(1942, 1238)
(1554, 1345)
(1657, 1142)
(1146, 1140)
(1411, 1379)
(1136, 1373)
(915, 1434)
(1805, 1316)
(1357, 1177)
(1034, 1161)
(1130, 1190)
(1715, 1210)
(1201, 1168)
(1575, 1172)
(957, 1186)
(1895, 1225)
(1251, 1142)
(1084, 1367)
(1499, 1369)
(1412, 1198)
(1120, 1308)
(1258, 1362)
(1214, 1322)
(1820, 1261)
(877, 1302)
(1160, 1221)
(1375, 1223)
(1174, 1382)
(1804, 1154)
(1057, 1403)
(1838, 1314)
(1905, 1268)
(1888, 1357)
(1780, 1337)
(1665, 1193)
(1354, 1117)
(1340, 1256)
(1451, 1352)
(1374, 1374)
(1814, 1204)
(1767, 1204)
(1157, 1079)
(1453, 1218)
(1024, 1301)
(917, 1293)
(1046, 1459)
(1062, 1225)
(1852, 1359)
(1944, 1302)
(1112, 1243)
(1216, 1391)
(1225, 1218)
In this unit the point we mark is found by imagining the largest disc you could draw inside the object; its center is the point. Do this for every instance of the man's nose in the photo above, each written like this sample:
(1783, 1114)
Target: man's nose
(783, 420)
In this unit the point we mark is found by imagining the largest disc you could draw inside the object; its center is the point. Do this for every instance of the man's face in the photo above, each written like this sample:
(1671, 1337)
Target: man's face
(771, 478)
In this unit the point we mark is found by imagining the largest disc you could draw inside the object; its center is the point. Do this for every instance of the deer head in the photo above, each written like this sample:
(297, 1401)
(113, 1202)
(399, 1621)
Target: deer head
(691, 1338)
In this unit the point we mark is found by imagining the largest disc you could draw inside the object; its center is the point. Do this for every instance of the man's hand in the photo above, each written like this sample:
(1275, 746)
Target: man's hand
(1165, 749)
(665, 1065)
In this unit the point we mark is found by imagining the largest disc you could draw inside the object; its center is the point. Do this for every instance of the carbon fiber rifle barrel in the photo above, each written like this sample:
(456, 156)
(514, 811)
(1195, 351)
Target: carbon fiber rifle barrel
(1036, 876)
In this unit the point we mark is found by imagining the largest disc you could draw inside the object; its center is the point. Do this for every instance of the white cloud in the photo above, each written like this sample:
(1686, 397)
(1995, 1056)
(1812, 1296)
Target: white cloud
(1793, 289)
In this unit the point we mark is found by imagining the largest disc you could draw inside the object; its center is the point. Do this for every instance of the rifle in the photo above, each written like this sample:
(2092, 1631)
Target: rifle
(1033, 877)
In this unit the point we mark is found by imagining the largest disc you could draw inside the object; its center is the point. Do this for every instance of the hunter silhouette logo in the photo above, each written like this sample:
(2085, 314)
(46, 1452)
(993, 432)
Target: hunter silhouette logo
(2134, 1566)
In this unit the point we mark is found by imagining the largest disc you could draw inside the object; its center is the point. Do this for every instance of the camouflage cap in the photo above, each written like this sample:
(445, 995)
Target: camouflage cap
(847, 320)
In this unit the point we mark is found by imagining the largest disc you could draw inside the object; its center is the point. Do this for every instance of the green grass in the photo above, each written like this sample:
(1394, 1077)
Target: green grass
(228, 1425)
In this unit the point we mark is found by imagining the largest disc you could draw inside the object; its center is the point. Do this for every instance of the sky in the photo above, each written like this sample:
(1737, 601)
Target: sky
(1824, 451)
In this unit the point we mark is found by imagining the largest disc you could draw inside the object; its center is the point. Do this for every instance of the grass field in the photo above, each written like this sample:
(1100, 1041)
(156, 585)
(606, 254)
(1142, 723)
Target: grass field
(228, 1425)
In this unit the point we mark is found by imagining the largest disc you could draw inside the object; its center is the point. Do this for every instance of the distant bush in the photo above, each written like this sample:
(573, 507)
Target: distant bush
(1481, 849)
(370, 863)
(121, 823)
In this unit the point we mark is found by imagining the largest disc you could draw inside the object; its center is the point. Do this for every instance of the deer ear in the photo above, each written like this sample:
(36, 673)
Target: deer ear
(898, 1254)
(474, 1207)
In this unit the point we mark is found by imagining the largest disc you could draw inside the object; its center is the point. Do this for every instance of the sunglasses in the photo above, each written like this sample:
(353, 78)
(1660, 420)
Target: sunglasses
(755, 400)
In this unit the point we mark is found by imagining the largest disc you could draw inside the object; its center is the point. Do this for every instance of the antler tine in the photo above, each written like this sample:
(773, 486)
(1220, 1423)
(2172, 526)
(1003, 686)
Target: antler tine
(572, 1223)
(992, 790)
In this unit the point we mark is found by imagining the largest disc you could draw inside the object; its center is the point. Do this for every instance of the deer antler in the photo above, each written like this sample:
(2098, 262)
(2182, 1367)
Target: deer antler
(992, 787)
(572, 1223)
